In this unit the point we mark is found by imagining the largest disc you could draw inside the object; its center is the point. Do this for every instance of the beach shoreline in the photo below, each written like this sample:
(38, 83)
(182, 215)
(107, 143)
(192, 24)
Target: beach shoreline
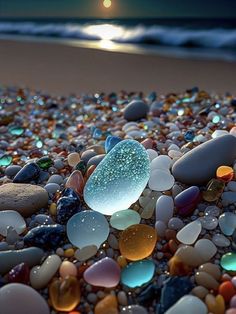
(64, 69)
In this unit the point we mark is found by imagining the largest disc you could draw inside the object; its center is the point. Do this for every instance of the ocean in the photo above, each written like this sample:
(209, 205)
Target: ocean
(194, 38)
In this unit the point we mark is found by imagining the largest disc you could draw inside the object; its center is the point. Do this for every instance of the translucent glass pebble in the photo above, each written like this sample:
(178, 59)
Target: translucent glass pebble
(228, 261)
(212, 211)
(190, 232)
(87, 228)
(5, 160)
(119, 179)
(209, 222)
(16, 130)
(137, 273)
(161, 180)
(13, 219)
(161, 162)
(220, 240)
(137, 242)
(124, 218)
(164, 208)
(227, 223)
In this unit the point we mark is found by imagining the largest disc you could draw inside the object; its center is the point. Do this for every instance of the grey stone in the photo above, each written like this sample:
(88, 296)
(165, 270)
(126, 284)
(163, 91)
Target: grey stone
(9, 259)
(24, 198)
(11, 171)
(136, 110)
(199, 165)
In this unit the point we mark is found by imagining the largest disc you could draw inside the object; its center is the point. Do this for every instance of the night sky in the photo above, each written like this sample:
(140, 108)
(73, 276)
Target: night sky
(119, 8)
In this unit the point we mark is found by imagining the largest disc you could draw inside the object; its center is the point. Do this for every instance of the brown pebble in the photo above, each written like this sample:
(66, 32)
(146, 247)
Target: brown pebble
(211, 269)
(200, 292)
(170, 234)
(206, 280)
(173, 246)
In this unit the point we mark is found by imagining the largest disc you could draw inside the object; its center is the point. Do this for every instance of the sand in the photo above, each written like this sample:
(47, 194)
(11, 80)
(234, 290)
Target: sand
(62, 69)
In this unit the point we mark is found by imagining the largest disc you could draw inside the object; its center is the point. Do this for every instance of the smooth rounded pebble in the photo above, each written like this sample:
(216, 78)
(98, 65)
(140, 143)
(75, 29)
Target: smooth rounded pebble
(161, 180)
(189, 233)
(11, 218)
(186, 303)
(136, 110)
(161, 162)
(119, 179)
(24, 198)
(21, 299)
(41, 275)
(87, 228)
(164, 208)
(199, 165)
(104, 273)
(124, 218)
(86, 253)
(9, 259)
(206, 249)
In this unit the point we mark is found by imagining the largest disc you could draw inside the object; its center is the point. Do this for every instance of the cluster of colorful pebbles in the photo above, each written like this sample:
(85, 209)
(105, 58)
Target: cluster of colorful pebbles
(120, 203)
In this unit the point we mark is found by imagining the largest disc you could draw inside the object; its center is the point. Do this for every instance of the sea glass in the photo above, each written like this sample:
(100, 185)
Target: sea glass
(119, 179)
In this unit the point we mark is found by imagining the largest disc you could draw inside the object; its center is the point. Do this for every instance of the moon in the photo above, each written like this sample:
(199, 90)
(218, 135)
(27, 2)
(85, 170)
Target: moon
(107, 3)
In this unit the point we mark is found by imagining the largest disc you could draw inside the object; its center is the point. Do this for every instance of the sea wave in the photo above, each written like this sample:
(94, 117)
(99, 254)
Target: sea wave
(139, 34)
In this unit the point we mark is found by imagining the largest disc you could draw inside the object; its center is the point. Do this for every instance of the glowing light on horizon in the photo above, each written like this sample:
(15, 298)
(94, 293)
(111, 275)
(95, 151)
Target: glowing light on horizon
(105, 31)
(107, 3)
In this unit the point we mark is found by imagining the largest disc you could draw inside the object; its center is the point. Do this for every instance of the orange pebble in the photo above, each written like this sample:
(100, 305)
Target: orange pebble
(177, 267)
(108, 305)
(121, 260)
(227, 290)
(225, 173)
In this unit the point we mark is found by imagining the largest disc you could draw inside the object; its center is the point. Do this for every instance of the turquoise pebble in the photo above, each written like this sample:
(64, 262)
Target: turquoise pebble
(228, 261)
(5, 160)
(110, 142)
(16, 130)
(119, 179)
(227, 223)
(138, 273)
(87, 228)
(124, 218)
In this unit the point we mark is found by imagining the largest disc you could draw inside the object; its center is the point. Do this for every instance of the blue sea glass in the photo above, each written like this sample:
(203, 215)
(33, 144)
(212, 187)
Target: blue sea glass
(138, 273)
(110, 142)
(87, 228)
(119, 179)
(124, 218)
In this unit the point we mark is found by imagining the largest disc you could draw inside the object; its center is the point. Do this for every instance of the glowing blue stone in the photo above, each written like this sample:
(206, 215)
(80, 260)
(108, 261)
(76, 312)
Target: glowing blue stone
(138, 273)
(124, 218)
(87, 228)
(119, 179)
(110, 142)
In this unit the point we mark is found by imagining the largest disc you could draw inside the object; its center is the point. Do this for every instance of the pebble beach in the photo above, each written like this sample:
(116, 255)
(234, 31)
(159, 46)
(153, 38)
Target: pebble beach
(117, 203)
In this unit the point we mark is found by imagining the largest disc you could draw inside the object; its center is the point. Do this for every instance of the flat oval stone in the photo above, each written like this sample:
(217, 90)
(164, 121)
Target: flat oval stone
(187, 200)
(189, 233)
(87, 228)
(199, 165)
(228, 261)
(175, 223)
(21, 299)
(161, 162)
(23, 198)
(164, 208)
(138, 273)
(137, 242)
(119, 179)
(13, 219)
(124, 218)
(227, 223)
(206, 249)
(136, 110)
(212, 269)
(49, 236)
(41, 275)
(9, 259)
(104, 273)
(206, 280)
(187, 302)
(161, 180)
(220, 240)
(28, 173)
(85, 253)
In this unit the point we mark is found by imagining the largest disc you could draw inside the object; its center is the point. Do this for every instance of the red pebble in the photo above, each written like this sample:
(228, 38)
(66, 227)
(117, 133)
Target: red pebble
(20, 274)
(227, 290)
